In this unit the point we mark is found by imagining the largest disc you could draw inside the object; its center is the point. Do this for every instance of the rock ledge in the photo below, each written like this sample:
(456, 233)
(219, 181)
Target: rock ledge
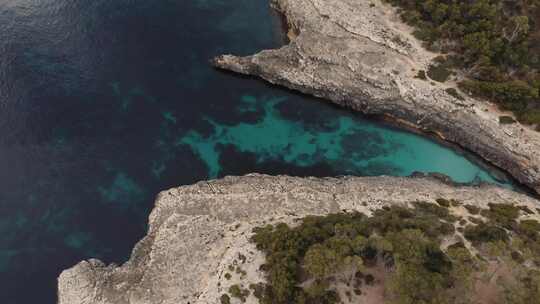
(195, 232)
(358, 54)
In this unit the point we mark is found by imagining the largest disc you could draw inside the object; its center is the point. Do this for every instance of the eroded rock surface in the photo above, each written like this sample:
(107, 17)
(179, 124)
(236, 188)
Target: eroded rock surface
(196, 232)
(358, 54)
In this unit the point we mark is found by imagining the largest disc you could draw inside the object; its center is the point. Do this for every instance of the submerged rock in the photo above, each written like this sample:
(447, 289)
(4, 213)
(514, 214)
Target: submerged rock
(197, 232)
(358, 54)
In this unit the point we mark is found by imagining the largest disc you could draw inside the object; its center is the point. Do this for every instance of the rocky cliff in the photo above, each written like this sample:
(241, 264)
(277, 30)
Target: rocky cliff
(196, 232)
(358, 54)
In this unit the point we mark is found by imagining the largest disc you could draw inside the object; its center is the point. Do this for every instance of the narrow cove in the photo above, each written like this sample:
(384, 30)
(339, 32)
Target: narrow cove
(106, 103)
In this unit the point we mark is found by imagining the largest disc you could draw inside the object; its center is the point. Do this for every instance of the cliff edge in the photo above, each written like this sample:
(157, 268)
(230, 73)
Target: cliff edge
(358, 54)
(196, 232)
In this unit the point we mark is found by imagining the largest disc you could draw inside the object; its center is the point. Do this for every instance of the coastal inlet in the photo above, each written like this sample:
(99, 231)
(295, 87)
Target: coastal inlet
(103, 104)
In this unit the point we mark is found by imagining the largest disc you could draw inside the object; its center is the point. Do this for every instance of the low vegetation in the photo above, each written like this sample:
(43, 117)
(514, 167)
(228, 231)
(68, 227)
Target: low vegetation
(506, 120)
(454, 93)
(421, 75)
(414, 254)
(495, 43)
(440, 70)
(238, 292)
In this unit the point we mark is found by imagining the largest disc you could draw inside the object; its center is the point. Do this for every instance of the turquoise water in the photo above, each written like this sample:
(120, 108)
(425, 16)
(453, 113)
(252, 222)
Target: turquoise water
(348, 144)
(104, 103)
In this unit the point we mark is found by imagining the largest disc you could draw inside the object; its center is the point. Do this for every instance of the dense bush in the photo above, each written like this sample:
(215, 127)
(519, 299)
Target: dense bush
(303, 262)
(504, 215)
(506, 120)
(238, 292)
(225, 299)
(496, 42)
(472, 209)
(326, 247)
(421, 75)
(454, 93)
(484, 233)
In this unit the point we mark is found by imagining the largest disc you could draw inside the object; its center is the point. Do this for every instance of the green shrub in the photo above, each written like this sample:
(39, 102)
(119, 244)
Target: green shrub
(475, 220)
(502, 214)
(302, 262)
(525, 290)
(455, 203)
(493, 41)
(484, 233)
(439, 72)
(525, 209)
(432, 209)
(454, 93)
(237, 292)
(529, 228)
(225, 299)
(421, 75)
(512, 95)
(443, 202)
(258, 290)
(506, 120)
(325, 246)
(472, 209)
(426, 34)
(530, 117)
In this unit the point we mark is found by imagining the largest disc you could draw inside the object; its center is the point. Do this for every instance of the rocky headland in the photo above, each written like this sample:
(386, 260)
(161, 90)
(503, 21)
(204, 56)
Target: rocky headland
(196, 232)
(356, 54)
(359, 54)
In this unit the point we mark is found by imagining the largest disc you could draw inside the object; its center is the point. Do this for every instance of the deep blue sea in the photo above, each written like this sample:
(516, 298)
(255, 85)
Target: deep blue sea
(104, 103)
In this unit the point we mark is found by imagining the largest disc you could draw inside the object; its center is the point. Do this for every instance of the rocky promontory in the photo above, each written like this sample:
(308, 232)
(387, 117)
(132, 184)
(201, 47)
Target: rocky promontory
(358, 54)
(197, 232)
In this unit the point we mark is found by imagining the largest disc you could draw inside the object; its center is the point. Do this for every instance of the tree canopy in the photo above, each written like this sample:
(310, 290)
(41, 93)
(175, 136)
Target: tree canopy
(304, 262)
(495, 42)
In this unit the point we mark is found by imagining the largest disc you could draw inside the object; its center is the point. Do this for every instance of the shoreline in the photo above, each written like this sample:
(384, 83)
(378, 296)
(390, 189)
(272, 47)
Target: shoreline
(386, 121)
(196, 231)
(346, 52)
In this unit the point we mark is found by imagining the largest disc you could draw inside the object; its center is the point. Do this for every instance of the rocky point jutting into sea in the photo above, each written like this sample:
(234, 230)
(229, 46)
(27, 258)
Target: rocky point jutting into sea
(356, 54)
(196, 232)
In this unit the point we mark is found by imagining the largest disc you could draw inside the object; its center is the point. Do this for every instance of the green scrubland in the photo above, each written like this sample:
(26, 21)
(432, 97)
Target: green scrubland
(495, 43)
(424, 252)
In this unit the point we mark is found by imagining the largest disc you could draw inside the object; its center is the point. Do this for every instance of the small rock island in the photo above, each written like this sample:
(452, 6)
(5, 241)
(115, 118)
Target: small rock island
(422, 239)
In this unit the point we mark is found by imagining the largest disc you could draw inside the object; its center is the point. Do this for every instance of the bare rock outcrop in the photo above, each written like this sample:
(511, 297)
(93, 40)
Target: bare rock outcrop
(358, 54)
(196, 232)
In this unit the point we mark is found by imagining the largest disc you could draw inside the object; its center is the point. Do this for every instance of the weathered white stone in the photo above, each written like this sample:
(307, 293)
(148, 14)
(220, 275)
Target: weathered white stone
(196, 232)
(358, 54)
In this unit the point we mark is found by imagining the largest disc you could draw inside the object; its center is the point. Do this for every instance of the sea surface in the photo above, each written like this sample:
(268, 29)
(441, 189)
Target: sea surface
(104, 103)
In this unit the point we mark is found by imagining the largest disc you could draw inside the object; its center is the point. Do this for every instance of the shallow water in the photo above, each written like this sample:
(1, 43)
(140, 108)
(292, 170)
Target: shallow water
(105, 103)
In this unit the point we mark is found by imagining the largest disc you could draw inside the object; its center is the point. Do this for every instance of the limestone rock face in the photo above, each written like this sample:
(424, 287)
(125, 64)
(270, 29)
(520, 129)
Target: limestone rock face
(196, 232)
(350, 52)
(358, 54)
